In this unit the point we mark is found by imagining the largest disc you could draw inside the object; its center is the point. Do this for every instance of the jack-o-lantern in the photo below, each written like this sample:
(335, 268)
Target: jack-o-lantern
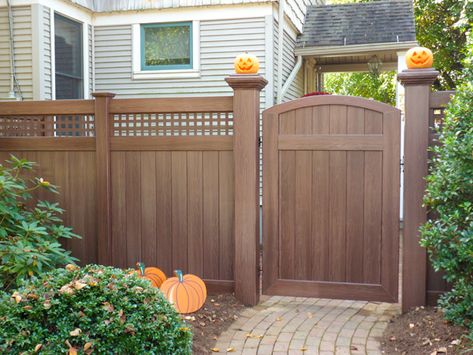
(419, 58)
(246, 63)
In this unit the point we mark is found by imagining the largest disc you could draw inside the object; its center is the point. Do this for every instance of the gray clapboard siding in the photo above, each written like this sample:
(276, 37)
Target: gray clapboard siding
(23, 51)
(47, 72)
(220, 42)
(296, 90)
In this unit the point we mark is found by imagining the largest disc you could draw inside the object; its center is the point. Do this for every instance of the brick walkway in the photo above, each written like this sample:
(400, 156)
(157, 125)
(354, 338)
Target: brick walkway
(295, 325)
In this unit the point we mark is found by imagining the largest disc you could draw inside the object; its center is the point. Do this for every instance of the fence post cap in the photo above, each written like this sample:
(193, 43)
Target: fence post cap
(417, 76)
(103, 94)
(246, 81)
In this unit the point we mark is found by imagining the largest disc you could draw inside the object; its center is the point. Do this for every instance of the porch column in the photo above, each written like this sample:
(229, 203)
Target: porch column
(417, 83)
(246, 113)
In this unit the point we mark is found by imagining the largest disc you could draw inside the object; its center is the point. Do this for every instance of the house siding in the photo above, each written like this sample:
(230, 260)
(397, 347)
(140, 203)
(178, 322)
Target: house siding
(220, 42)
(296, 90)
(23, 51)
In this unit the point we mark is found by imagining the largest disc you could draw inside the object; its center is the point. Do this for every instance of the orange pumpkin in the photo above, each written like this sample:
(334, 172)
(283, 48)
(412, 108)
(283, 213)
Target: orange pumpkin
(155, 275)
(419, 58)
(246, 64)
(186, 292)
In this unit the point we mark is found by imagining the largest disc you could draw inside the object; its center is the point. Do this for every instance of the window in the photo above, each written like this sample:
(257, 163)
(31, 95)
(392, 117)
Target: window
(68, 58)
(166, 46)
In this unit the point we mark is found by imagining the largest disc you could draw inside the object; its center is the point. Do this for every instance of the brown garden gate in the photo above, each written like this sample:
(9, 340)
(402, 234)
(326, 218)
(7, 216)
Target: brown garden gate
(331, 199)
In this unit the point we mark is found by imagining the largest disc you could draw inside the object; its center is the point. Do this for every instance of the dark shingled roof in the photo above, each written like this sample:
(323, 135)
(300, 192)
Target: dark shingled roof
(358, 23)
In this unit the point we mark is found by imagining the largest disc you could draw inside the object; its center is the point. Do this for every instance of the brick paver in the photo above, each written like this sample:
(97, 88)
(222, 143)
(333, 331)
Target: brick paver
(296, 325)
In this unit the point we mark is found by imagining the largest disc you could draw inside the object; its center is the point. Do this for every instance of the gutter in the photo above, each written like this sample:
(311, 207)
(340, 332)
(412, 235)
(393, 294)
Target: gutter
(334, 51)
(291, 77)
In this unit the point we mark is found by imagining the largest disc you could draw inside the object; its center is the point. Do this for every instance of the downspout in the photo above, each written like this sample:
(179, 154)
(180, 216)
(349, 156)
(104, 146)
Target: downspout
(282, 4)
(13, 81)
(291, 76)
(11, 94)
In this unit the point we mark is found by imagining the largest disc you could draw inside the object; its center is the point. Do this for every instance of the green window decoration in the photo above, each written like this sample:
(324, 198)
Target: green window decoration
(166, 46)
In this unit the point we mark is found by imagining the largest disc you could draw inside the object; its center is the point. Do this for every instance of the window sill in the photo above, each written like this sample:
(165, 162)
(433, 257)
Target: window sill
(166, 74)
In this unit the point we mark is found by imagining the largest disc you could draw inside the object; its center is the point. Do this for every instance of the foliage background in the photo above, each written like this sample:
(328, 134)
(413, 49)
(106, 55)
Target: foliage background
(448, 236)
(30, 230)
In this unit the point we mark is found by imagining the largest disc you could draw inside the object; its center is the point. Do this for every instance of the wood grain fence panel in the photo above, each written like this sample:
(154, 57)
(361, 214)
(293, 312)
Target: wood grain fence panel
(346, 185)
(355, 199)
(320, 198)
(163, 181)
(287, 124)
(303, 192)
(372, 217)
(133, 202)
(80, 204)
(195, 212)
(148, 208)
(179, 210)
(119, 209)
(373, 202)
(226, 215)
(210, 219)
(390, 207)
(338, 195)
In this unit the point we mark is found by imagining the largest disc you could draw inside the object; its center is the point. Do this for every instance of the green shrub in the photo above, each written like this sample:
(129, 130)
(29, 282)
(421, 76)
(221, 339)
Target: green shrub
(29, 230)
(449, 237)
(92, 309)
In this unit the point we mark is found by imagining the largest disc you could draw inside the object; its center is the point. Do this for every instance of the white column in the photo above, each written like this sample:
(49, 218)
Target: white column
(400, 95)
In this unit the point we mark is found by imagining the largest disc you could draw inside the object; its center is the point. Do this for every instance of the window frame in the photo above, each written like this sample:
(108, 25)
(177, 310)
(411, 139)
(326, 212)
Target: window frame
(145, 68)
(82, 78)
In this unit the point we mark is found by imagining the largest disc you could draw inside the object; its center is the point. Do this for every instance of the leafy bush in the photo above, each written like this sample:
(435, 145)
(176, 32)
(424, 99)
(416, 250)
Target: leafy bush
(449, 237)
(380, 87)
(92, 309)
(29, 230)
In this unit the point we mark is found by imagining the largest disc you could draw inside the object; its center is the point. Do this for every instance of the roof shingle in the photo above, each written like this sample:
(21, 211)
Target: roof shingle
(358, 23)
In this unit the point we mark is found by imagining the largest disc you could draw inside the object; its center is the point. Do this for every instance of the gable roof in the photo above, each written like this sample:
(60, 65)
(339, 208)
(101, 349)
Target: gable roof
(373, 22)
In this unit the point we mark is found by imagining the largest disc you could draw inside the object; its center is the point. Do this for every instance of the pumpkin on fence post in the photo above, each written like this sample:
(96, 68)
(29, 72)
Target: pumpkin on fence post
(155, 275)
(246, 63)
(186, 292)
(419, 58)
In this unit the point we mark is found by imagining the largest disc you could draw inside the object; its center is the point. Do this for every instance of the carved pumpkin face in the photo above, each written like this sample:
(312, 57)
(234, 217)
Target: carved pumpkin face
(419, 57)
(246, 64)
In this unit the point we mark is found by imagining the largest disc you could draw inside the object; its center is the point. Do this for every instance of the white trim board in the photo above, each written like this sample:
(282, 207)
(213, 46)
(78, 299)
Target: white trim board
(184, 14)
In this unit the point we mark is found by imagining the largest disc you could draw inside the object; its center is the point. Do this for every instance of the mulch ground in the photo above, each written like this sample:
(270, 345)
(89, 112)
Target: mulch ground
(211, 320)
(424, 331)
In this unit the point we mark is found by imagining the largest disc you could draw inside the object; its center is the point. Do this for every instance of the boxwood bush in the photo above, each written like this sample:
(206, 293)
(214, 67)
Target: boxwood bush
(449, 236)
(96, 309)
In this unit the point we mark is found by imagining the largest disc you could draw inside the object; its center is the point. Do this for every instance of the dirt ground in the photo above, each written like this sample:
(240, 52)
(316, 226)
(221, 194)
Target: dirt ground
(424, 331)
(212, 319)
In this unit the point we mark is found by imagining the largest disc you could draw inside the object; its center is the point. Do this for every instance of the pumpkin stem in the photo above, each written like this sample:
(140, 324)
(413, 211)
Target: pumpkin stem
(179, 275)
(141, 266)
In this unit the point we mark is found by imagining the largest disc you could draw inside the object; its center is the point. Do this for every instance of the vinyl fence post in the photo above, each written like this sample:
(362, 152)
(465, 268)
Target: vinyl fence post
(416, 142)
(103, 183)
(246, 113)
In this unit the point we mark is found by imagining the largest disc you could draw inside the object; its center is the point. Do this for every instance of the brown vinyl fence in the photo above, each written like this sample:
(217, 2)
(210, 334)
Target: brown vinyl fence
(166, 172)
(436, 285)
